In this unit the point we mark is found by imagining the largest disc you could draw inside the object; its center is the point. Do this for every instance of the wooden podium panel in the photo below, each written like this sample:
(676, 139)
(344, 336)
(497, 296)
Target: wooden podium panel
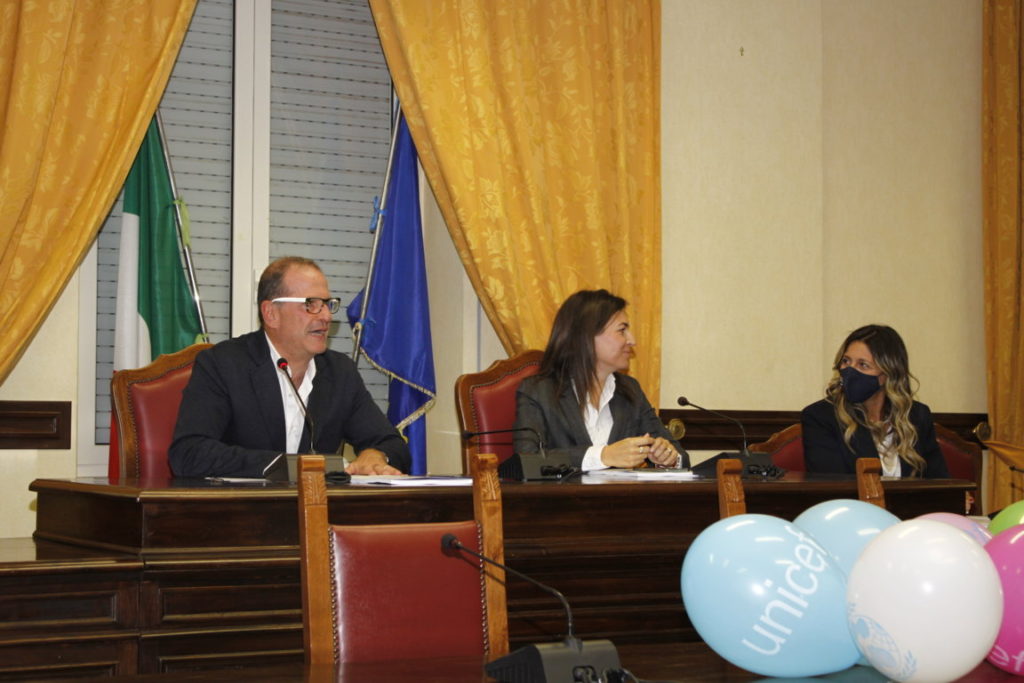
(66, 611)
(216, 574)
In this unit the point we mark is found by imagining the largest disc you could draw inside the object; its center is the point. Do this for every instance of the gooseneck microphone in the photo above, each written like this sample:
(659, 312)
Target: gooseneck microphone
(683, 401)
(450, 543)
(282, 365)
(755, 465)
(570, 660)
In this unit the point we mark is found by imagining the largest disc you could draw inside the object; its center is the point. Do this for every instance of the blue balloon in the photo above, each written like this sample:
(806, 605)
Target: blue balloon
(764, 595)
(844, 527)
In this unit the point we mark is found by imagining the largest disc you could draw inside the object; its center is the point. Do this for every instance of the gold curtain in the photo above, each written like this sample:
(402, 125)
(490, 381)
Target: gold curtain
(1003, 203)
(537, 125)
(79, 82)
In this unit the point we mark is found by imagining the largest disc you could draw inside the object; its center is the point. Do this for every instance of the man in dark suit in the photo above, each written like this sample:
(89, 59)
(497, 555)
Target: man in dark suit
(238, 414)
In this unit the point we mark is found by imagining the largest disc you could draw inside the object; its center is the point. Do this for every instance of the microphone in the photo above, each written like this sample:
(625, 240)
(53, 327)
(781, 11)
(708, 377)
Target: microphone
(529, 466)
(282, 365)
(570, 660)
(683, 401)
(450, 543)
(757, 465)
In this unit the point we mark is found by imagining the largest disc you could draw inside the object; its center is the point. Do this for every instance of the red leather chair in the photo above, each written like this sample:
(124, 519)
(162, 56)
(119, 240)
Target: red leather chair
(486, 401)
(963, 460)
(379, 592)
(145, 404)
(786, 448)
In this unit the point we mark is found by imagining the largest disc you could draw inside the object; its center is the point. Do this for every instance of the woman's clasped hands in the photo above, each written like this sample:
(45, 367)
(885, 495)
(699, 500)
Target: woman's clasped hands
(632, 451)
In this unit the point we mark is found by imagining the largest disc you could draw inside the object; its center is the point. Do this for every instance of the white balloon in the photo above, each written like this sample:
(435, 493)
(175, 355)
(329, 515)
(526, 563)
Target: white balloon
(924, 602)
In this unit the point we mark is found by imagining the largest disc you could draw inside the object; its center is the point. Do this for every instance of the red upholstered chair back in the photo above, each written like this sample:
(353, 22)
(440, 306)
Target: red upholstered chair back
(398, 596)
(786, 448)
(486, 401)
(963, 460)
(379, 592)
(145, 404)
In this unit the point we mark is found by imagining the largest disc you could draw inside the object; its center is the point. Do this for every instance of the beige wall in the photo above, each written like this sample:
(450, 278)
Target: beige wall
(826, 177)
(463, 339)
(47, 372)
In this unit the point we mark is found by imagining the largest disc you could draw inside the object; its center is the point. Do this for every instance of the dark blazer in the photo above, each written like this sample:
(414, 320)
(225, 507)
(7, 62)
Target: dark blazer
(826, 451)
(559, 422)
(231, 421)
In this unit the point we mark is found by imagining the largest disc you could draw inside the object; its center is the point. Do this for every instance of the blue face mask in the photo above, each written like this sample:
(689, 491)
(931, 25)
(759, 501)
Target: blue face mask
(857, 386)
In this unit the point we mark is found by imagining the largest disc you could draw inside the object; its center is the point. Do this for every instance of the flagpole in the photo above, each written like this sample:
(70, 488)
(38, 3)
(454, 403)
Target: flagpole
(186, 247)
(358, 332)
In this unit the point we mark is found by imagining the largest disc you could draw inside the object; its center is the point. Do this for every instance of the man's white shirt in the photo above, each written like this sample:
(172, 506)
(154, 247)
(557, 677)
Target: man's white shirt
(294, 421)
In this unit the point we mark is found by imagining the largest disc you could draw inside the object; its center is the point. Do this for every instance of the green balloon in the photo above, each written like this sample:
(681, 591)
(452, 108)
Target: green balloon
(1009, 516)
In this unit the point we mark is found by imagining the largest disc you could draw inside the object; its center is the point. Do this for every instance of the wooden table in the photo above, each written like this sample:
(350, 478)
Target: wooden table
(160, 576)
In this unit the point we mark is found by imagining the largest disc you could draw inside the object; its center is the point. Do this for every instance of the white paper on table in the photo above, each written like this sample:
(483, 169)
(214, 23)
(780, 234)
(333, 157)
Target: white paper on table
(403, 480)
(651, 474)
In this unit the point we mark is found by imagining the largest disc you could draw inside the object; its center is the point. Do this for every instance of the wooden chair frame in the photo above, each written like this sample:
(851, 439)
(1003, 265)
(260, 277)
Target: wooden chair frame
(732, 501)
(124, 412)
(778, 439)
(869, 481)
(318, 618)
(466, 407)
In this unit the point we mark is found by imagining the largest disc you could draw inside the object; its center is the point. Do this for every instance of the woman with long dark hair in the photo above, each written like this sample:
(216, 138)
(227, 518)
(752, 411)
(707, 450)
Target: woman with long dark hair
(869, 411)
(581, 404)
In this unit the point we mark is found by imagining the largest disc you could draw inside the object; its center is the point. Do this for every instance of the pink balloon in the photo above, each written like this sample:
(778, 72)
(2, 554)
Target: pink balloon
(1007, 552)
(972, 528)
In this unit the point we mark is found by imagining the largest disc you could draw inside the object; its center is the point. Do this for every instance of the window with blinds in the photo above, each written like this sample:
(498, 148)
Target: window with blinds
(330, 132)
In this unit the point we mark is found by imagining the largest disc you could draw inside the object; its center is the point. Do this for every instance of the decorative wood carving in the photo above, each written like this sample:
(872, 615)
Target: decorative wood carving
(869, 481)
(731, 500)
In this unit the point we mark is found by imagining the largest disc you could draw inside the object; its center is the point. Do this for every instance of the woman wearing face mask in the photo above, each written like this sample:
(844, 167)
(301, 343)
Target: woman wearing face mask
(869, 411)
(580, 404)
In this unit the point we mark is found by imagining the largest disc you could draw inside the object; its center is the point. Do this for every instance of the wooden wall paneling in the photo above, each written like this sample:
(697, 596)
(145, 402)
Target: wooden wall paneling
(35, 424)
(66, 611)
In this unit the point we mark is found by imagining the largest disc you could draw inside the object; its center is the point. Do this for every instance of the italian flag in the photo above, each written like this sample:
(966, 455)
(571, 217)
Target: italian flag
(155, 311)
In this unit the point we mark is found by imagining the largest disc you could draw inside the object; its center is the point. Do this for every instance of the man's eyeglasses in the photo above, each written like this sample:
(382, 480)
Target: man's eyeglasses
(314, 304)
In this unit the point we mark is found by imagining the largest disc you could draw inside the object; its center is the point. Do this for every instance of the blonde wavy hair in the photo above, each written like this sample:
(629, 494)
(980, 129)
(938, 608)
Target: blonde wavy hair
(890, 356)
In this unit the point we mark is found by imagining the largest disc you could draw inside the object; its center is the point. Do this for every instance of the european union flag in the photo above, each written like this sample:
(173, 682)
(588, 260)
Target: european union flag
(396, 329)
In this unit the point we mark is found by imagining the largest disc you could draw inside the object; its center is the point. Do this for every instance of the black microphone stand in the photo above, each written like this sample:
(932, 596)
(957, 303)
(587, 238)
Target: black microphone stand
(282, 365)
(757, 464)
(570, 660)
(449, 543)
(339, 477)
(683, 401)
